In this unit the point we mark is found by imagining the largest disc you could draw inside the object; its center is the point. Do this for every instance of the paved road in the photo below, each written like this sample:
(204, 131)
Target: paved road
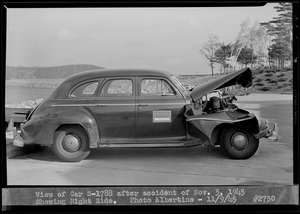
(272, 164)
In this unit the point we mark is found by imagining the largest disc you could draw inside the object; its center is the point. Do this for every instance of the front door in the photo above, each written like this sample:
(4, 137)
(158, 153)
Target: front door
(160, 111)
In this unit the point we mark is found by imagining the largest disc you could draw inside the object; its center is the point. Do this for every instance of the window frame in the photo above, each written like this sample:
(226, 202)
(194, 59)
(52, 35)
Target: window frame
(121, 96)
(140, 95)
(82, 83)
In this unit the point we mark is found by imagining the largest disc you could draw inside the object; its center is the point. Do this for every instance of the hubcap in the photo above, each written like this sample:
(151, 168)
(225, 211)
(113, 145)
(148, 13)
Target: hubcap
(239, 141)
(71, 143)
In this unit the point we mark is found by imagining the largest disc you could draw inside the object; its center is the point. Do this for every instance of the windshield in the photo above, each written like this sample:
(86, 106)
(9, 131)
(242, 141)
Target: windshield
(178, 82)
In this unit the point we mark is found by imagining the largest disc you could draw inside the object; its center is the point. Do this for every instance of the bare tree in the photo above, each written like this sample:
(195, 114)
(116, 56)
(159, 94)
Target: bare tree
(241, 40)
(253, 37)
(208, 50)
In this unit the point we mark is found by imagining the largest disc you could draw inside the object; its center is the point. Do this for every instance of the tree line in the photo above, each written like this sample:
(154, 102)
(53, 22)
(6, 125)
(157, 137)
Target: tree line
(260, 44)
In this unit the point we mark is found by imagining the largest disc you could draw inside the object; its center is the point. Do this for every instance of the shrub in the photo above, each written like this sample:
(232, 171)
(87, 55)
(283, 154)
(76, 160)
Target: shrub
(279, 86)
(259, 84)
(269, 75)
(265, 88)
(287, 69)
(281, 75)
(282, 79)
(291, 80)
(273, 81)
(270, 70)
(258, 80)
(256, 71)
(268, 79)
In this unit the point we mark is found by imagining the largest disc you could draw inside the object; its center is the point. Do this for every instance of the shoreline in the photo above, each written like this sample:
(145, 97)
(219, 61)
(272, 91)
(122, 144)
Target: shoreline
(244, 98)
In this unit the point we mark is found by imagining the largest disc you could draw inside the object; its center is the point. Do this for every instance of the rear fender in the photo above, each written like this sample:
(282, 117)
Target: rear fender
(83, 119)
(40, 128)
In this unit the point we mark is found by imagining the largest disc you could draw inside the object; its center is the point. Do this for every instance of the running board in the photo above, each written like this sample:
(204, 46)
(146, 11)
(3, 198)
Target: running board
(142, 145)
(152, 145)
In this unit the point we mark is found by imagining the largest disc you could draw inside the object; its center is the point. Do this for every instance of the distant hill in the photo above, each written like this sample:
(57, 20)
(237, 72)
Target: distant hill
(20, 72)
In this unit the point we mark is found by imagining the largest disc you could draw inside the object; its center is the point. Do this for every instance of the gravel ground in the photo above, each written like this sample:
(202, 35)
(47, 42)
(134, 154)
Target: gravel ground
(272, 164)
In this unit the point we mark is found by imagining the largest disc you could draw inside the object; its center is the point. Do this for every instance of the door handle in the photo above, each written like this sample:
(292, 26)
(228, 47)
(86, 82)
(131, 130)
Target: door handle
(141, 105)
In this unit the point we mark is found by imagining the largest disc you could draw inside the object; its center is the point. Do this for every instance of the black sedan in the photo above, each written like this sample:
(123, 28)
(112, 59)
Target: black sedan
(140, 108)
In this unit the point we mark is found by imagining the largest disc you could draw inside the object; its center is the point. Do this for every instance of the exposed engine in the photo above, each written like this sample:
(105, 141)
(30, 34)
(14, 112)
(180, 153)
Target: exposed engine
(211, 104)
(215, 104)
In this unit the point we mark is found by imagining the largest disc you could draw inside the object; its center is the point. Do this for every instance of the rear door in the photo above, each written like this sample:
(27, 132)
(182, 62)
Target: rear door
(160, 111)
(115, 111)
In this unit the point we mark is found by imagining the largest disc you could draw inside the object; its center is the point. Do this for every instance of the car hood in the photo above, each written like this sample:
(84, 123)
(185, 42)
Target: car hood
(242, 77)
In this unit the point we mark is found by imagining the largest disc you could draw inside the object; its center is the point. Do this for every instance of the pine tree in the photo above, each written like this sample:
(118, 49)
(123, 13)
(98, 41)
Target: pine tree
(280, 30)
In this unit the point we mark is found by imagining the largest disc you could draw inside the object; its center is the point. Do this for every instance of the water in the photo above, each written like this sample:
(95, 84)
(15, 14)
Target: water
(16, 94)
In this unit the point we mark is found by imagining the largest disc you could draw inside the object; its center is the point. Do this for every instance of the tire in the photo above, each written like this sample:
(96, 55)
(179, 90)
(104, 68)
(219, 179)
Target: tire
(71, 144)
(238, 143)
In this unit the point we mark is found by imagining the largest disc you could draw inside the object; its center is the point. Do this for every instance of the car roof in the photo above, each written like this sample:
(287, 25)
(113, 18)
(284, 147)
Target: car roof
(117, 73)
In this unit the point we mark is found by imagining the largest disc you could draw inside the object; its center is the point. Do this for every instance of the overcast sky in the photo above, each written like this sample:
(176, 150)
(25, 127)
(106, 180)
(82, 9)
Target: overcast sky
(159, 38)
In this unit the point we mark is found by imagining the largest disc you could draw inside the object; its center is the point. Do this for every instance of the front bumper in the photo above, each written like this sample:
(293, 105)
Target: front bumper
(266, 132)
(262, 133)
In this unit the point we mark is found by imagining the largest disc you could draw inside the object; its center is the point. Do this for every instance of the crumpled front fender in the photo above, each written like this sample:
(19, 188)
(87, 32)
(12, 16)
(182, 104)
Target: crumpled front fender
(210, 124)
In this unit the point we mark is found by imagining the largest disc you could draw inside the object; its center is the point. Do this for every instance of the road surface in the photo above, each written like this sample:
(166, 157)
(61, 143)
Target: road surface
(272, 164)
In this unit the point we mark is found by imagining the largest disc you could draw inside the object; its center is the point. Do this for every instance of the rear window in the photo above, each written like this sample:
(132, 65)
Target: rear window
(85, 90)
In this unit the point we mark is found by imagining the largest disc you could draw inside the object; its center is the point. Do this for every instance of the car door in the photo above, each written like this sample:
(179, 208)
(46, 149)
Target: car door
(160, 111)
(116, 110)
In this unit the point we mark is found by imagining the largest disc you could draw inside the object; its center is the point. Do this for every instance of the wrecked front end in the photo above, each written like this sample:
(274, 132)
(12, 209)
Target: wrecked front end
(213, 122)
(212, 114)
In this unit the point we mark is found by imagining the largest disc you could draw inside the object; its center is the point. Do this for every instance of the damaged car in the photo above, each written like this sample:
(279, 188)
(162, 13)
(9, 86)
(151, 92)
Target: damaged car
(141, 108)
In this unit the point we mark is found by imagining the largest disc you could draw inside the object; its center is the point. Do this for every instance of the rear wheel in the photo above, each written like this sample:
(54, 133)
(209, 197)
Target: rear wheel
(71, 144)
(238, 143)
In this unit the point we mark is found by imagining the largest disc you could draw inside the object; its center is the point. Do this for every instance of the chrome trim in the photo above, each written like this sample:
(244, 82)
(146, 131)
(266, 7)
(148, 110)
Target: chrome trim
(100, 105)
(119, 104)
(221, 120)
(162, 104)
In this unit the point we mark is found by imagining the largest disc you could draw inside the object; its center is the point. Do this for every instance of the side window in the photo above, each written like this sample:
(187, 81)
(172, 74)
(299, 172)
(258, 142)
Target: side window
(156, 87)
(85, 90)
(120, 87)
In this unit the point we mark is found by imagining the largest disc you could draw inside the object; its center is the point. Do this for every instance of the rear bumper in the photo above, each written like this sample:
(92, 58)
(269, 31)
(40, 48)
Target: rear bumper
(23, 138)
(18, 141)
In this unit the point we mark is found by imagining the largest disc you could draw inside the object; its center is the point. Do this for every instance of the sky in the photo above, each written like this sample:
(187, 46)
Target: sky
(154, 38)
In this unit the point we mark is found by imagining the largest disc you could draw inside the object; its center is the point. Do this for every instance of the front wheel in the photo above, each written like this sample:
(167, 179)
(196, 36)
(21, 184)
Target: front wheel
(238, 143)
(71, 144)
